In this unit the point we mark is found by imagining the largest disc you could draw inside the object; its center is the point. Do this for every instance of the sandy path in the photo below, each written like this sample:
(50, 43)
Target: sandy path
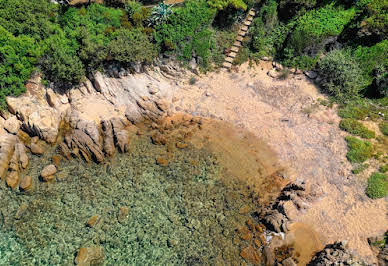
(306, 137)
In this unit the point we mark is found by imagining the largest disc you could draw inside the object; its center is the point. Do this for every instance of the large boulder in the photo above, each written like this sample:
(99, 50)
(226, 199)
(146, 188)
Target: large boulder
(88, 256)
(335, 254)
(44, 123)
(48, 172)
(12, 125)
(7, 148)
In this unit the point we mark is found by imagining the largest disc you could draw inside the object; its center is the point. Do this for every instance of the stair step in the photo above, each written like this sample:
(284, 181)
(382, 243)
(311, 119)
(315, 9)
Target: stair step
(239, 38)
(229, 59)
(252, 13)
(247, 23)
(250, 18)
(227, 65)
(237, 43)
(232, 54)
(244, 28)
(234, 49)
(242, 33)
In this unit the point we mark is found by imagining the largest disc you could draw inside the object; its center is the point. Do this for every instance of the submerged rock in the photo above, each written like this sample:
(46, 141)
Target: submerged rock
(36, 149)
(88, 256)
(26, 183)
(123, 214)
(251, 255)
(22, 155)
(48, 172)
(12, 179)
(93, 221)
(7, 148)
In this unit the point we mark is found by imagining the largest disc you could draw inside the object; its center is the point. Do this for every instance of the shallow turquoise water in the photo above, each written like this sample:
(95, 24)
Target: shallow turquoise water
(182, 214)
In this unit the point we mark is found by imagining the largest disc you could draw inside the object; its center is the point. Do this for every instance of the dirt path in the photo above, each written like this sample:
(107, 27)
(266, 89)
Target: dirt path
(306, 137)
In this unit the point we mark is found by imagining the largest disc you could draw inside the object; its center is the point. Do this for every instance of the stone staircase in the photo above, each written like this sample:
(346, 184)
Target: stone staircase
(237, 44)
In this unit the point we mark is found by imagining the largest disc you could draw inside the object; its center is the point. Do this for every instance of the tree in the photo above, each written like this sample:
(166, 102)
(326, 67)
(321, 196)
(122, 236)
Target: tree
(131, 47)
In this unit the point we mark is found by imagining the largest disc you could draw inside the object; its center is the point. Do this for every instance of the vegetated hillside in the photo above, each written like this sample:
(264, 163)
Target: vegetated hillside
(345, 41)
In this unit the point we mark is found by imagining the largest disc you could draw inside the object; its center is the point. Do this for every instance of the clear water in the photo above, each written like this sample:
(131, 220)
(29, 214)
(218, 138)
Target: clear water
(185, 213)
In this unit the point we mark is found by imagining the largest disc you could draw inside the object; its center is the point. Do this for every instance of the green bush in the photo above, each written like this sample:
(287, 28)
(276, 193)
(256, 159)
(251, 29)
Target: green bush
(377, 19)
(356, 128)
(187, 31)
(60, 62)
(341, 75)
(132, 46)
(384, 127)
(381, 79)
(384, 168)
(242, 56)
(317, 25)
(358, 150)
(18, 56)
(360, 168)
(34, 18)
(371, 58)
(377, 186)
(222, 4)
(223, 40)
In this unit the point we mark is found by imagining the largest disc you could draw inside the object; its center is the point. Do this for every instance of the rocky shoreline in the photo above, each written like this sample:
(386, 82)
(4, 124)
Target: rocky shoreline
(100, 116)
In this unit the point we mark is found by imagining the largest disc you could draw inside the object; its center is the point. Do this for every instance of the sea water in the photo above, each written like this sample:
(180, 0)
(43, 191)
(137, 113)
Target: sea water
(185, 212)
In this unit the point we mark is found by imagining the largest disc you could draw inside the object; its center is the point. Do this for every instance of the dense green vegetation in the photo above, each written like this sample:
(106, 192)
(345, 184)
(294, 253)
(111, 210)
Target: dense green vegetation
(66, 43)
(345, 41)
(356, 128)
(359, 150)
(377, 186)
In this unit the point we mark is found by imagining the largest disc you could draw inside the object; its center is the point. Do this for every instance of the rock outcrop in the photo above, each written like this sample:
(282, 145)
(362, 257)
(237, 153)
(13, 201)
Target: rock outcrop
(334, 254)
(295, 197)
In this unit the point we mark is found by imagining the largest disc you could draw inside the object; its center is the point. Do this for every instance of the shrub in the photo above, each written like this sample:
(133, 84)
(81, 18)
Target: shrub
(384, 127)
(187, 31)
(371, 58)
(223, 40)
(360, 168)
(60, 62)
(222, 4)
(192, 80)
(359, 150)
(377, 19)
(242, 56)
(33, 18)
(356, 128)
(384, 168)
(131, 46)
(377, 186)
(381, 79)
(317, 25)
(18, 56)
(341, 75)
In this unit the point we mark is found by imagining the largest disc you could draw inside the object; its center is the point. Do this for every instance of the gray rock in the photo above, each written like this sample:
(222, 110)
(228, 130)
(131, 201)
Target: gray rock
(311, 74)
